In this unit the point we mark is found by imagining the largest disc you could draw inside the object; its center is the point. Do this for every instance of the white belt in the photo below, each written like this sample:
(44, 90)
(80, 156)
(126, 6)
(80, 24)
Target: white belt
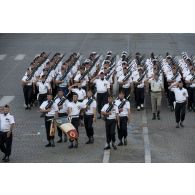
(5, 130)
(180, 102)
(101, 91)
(111, 118)
(123, 115)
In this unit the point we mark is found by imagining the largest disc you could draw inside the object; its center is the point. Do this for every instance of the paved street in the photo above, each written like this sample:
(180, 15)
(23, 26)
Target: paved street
(166, 143)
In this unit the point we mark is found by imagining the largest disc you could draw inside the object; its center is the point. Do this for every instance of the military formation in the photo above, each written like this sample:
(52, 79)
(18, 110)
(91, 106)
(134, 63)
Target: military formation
(99, 86)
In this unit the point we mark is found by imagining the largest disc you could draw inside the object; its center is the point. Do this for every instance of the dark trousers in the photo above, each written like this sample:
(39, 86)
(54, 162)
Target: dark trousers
(34, 94)
(122, 130)
(42, 98)
(191, 99)
(27, 90)
(102, 98)
(5, 143)
(180, 110)
(171, 97)
(110, 130)
(47, 127)
(88, 122)
(59, 130)
(126, 91)
(139, 96)
(75, 123)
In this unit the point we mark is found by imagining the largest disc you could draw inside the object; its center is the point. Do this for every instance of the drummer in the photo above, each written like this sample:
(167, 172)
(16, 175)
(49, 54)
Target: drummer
(74, 109)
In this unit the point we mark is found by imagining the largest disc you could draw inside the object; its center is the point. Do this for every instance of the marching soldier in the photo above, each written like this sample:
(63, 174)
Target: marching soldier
(124, 118)
(62, 103)
(89, 105)
(125, 85)
(6, 127)
(110, 111)
(156, 95)
(84, 81)
(103, 89)
(181, 97)
(79, 91)
(190, 81)
(50, 108)
(63, 84)
(74, 109)
(44, 88)
(172, 80)
(139, 87)
(28, 87)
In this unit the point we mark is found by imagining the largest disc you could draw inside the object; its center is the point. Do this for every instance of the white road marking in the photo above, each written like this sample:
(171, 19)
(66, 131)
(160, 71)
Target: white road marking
(146, 138)
(106, 156)
(20, 57)
(2, 56)
(6, 100)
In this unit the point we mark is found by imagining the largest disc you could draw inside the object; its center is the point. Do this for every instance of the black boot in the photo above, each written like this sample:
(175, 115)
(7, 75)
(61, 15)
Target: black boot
(120, 143)
(48, 145)
(59, 141)
(76, 143)
(65, 138)
(6, 159)
(52, 143)
(91, 140)
(70, 145)
(154, 116)
(88, 142)
(107, 147)
(158, 115)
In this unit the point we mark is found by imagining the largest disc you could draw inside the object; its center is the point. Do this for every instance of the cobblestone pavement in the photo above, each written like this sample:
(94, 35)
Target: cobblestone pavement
(167, 144)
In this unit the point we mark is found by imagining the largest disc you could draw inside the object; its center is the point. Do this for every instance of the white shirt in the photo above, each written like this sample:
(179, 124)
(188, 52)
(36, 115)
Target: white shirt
(84, 81)
(125, 108)
(180, 95)
(114, 111)
(6, 121)
(54, 108)
(135, 78)
(75, 109)
(43, 87)
(30, 81)
(156, 86)
(93, 105)
(102, 86)
(64, 105)
(66, 79)
(80, 92)
(128, 82)
(188, 79)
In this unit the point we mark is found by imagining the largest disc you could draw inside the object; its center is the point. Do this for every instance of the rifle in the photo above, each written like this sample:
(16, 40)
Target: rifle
(87, 71)
(107, 77)
(69, 68)
(122, 104)
(49, 105)
(142, 76)
(53, 67)
(177, 73)
(35, 69)
(127, 76)
(60, 103)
